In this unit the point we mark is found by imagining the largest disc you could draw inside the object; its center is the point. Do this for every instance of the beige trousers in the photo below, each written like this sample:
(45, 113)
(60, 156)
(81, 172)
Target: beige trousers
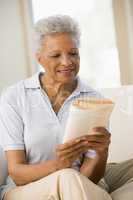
(68, 184)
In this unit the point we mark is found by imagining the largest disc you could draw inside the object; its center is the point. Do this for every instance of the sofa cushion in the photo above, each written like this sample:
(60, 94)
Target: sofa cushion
(121, 123)
(3, 166)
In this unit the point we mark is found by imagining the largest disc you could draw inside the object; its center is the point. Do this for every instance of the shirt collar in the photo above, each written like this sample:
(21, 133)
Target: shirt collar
(34, 83)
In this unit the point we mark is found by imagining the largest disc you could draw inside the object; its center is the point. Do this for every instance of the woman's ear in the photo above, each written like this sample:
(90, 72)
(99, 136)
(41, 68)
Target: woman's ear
(38, 57)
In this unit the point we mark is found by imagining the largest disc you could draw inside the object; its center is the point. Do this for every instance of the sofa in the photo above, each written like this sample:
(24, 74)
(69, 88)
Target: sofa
(121, 127)
(3, 166)
(121, 123)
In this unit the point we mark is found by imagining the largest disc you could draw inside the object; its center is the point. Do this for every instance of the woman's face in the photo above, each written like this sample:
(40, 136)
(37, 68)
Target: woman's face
(59, 57)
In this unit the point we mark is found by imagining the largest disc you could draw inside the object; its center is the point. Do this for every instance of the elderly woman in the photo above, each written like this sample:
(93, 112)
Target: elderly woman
(33, 115)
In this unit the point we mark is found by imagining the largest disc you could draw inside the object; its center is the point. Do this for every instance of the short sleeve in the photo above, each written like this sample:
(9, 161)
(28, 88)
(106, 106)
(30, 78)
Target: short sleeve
(11, 123)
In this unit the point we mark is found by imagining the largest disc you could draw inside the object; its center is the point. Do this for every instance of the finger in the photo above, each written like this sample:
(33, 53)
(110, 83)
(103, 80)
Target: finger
(98, 138)
(92, 142)
(67, 145)
(77, 153)
(73, 148)
(100, 130)
(95, 145)
(101, 149)
(71, 143)
(95, 136)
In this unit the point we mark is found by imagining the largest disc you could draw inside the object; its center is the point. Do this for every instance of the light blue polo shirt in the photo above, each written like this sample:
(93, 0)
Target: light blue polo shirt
(28, 121)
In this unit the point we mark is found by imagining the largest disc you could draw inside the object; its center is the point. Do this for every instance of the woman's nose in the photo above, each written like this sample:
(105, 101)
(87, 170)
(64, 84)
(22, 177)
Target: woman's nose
(66, 60)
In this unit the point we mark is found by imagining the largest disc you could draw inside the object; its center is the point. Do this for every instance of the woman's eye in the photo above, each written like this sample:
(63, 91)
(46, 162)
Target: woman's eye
(55, 56)
(74, 54)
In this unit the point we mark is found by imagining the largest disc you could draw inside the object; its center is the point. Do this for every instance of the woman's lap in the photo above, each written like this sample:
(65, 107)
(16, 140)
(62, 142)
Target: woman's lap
(64, 184)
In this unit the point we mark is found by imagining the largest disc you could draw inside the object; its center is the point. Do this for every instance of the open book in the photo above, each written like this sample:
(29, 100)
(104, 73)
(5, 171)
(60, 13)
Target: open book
(86, 114)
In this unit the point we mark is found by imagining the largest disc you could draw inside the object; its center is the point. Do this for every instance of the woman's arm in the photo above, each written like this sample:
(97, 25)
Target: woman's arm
(23, 173)
(94, 168)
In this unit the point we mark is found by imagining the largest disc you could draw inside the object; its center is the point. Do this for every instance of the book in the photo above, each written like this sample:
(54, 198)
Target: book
(86, 114)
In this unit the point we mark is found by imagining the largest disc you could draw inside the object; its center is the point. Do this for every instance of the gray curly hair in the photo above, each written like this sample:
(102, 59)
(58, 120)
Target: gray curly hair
(55, 24)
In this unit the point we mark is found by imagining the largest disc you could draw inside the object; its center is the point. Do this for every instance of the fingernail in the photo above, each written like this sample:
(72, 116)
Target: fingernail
(86, 142)
(78, 140)
(84, 138)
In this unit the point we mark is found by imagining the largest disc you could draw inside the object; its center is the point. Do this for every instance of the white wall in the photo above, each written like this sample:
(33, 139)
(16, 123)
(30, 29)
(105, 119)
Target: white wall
(14, 63)
(123, 15)
(98, 52)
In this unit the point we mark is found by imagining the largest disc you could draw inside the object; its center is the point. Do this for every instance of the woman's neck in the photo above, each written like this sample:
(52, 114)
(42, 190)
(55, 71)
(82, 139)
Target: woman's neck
(57, 92)
(54, 88)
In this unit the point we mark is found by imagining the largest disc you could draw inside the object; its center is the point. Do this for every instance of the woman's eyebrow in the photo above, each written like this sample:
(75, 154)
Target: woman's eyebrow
(58, 51)
(74, 48)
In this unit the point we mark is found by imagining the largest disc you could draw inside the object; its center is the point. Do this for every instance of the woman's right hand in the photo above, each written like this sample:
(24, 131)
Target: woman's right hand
(68, 152)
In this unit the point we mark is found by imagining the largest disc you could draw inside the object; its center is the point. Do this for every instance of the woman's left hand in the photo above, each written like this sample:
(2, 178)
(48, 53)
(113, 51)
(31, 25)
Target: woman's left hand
(99, 140)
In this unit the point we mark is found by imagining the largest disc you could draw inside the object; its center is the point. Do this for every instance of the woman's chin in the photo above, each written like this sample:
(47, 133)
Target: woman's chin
(66, 77)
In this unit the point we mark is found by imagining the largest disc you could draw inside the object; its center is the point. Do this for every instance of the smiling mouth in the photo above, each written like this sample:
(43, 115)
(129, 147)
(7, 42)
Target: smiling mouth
(65, 70)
